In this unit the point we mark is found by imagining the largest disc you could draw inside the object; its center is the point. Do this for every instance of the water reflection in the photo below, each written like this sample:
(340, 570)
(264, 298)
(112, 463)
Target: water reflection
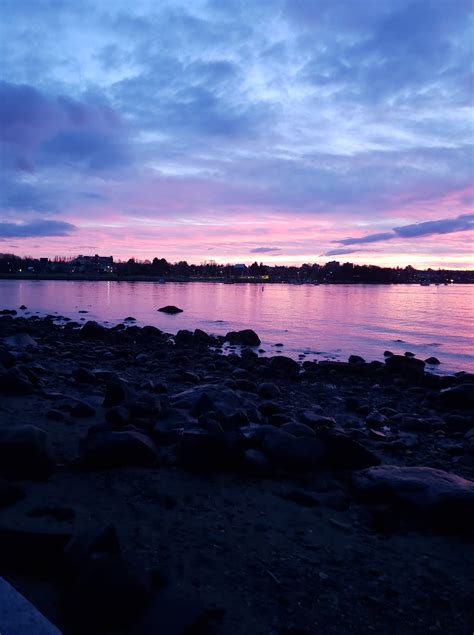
(334, 319)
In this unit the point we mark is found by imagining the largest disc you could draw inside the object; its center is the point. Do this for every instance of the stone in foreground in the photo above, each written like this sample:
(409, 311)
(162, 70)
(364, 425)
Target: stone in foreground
(436, 497)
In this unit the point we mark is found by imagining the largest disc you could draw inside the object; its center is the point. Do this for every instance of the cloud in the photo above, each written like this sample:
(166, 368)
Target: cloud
(340, 252)
(464, 222)
(35, 228)
(264, 250)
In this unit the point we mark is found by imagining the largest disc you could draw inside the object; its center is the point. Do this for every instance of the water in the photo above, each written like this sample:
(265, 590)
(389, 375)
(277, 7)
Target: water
(320, 322)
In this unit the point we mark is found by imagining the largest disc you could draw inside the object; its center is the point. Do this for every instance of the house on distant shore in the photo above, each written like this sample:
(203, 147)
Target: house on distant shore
(92, 264)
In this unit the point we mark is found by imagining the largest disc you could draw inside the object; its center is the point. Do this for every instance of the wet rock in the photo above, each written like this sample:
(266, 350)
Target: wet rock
(441, 499)
(432, 361)
(284, 365)
(115, 449)
(459, 397)
(25, 453)
(170, 309)
(375, 419)
(93, 331)
(356, 359)
(201, 337)
(184, 337)
(294, 454)
(10, 493)
(343, 452)
(247, 337)
(246, 385)
(402, 365)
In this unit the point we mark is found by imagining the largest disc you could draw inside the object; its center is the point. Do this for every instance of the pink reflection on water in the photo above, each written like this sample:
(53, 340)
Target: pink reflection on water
(327, 321)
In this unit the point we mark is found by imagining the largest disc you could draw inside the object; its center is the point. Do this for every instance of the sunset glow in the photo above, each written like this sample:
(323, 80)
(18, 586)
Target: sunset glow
(283, 132)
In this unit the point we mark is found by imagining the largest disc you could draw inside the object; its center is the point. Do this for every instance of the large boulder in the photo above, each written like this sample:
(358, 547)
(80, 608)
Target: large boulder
(93, 331)
(247, 337)
(402, 365)
(206, 451)
(25, 453)
(116, 449)
(425, 494)
(294, 454)
(284, 365)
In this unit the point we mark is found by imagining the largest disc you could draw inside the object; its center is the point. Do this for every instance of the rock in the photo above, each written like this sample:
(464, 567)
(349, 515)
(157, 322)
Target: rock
(23, 307)
(315, 421)
(208, 398)
(432, 361)
(269, 408)
(424, 494)
(84, 376)
(7, 358)
(184, 337)
(118, 392)
(25, 453)
(247, 337)
(246, 385)
(403, 365)
(82, 410)
(284, 365)
(459, 397)
(170, 309)
(268, 390)
(15, 382)
(375, 419)
(21, 340)
(256, 462)
(356, 359)
(118, 416)
(345, 453)
(109, 592)
(172, 425)
(298, 429)
(116, 449)
(201, 337)
(295, 454)
(207, 451)
(339, 501)
(93, 331)
(55, 415)
(9, 493)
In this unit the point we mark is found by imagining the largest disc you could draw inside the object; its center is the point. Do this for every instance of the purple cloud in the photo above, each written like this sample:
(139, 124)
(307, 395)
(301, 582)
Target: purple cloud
(35, 228)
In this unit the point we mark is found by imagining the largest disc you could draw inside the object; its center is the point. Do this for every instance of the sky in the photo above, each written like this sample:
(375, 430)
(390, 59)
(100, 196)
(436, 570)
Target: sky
(282, 131)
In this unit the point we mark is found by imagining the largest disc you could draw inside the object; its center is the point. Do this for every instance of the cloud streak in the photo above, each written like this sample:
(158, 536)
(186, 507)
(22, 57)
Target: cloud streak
(36, 228)
(464, 222)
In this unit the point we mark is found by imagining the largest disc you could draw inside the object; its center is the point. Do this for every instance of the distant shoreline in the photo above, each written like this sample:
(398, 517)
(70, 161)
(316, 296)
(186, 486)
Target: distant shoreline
(164, 279)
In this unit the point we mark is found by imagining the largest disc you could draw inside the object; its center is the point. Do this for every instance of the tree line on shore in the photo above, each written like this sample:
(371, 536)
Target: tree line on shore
(160, 268)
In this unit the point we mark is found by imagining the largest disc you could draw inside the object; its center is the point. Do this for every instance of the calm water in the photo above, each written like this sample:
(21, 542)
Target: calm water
(322, 322)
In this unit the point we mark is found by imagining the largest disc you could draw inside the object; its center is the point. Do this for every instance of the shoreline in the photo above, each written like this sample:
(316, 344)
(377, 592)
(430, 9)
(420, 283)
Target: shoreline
(240, 487)
(171, 279)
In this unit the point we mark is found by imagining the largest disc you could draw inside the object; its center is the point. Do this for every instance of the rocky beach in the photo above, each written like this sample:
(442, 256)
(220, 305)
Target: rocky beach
(150, 483)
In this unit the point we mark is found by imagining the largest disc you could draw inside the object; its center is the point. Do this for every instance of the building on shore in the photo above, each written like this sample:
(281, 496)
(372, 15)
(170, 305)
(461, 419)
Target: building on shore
(92, 264)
